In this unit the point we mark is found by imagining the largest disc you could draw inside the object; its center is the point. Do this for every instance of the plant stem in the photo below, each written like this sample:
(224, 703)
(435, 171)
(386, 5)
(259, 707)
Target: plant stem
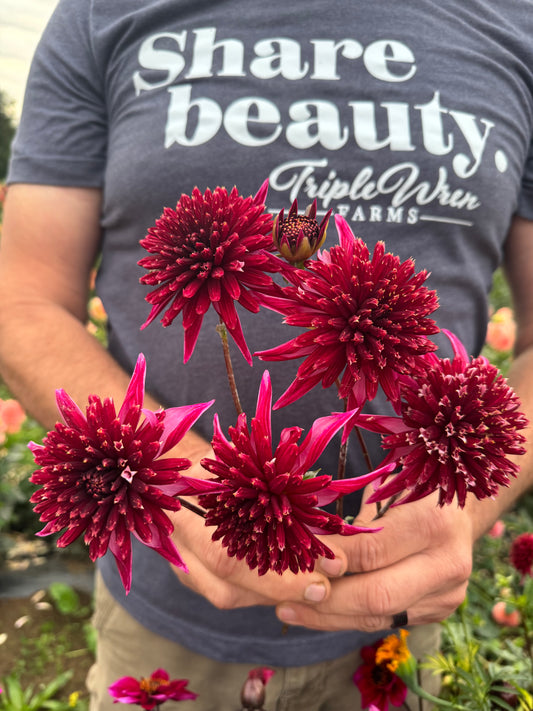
(382, 510)
(192, 507)
(528, 639)
(341, 471)
(364, 448)
(221, 328)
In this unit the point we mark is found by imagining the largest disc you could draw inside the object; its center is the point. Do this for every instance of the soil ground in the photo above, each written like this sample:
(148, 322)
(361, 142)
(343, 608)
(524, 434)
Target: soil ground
(39, 637)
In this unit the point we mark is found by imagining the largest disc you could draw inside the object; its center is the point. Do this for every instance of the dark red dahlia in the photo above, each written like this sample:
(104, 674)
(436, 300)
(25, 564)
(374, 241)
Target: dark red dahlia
(213, 249)
(151, 692)
(298, 237)
(522, 554)
(366, 320)
(102, 474)
(377, 684)
(459, 422)
(266, 509)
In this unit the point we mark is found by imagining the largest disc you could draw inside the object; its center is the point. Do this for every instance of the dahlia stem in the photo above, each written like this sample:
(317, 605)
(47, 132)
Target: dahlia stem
(341, 471)
(192, 507)
(221, 328)
(364, 448)
(382, 510)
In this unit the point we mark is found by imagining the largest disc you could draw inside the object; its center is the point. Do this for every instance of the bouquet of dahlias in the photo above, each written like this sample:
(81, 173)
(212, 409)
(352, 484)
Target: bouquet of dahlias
(367, 326)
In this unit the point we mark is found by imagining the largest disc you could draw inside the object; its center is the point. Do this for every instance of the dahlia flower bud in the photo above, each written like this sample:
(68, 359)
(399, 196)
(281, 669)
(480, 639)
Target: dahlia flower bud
(298, 237)
(253, 689)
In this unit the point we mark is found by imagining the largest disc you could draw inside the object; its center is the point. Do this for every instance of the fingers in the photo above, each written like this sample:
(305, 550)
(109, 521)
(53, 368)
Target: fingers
(368, 602)
(405, 530)
(229, 583)
(419, 562)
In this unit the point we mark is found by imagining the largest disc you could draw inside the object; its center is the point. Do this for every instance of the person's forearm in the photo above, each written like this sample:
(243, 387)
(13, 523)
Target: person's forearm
(487, 511)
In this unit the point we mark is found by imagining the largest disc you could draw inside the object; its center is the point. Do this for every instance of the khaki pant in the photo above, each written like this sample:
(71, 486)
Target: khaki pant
(126, 648)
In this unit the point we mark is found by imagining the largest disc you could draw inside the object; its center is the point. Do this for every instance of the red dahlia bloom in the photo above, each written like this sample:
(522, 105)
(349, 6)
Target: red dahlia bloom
(459, 422)
(377, 684)
(266, 509)
(211, 250)
(150, 692)
(522, 554)
(102, 474)
(367, 320)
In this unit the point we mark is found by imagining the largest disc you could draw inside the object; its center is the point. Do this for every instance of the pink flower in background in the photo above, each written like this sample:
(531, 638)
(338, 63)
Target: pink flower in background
(459, 422)
(266, 510)
(522, 554)
(11, 416)
(213, 249)
(96, 309)
(150, 692)
(501, 330)
(103, 475)
(497, 530)
(254, 688)
(366, 320)
(504, 614)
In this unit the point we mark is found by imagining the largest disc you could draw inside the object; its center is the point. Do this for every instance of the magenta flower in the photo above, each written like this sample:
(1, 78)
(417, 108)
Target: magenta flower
(150, 692)
(298, 237)
(213, 249)
(266, 509)
(377, 684)
(522, 554)
(102, 474)
(253, 690)
(459, 422)
(366, 320)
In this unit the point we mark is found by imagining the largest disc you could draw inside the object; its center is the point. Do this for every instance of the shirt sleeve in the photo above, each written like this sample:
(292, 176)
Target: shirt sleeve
(62, 135)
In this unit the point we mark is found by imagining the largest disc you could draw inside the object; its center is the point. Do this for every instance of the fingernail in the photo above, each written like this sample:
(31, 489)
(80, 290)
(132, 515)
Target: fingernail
(331, 567)
(315, 592)
(287, 614)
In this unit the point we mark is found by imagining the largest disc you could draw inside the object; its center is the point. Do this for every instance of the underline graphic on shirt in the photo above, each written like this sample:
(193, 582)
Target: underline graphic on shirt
(449, 220)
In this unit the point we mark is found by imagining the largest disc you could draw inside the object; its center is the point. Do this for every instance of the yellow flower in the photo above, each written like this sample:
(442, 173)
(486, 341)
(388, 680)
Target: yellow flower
(73, 699)
(393, 651)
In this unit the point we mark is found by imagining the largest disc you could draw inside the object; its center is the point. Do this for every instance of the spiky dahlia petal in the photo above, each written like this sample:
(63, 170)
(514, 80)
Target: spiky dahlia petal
(211, 250)
(459, 423)
(367, 320)
(266, 507)
(101, 477)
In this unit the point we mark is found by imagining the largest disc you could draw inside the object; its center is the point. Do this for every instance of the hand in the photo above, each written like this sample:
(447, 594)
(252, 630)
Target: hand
(419, 562)
(228, 583)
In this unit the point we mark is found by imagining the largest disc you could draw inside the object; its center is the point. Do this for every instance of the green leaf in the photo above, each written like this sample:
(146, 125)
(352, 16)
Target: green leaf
(65, 598)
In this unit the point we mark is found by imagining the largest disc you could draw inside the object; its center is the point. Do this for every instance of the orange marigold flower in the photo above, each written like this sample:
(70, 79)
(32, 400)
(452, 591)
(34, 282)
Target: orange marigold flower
(393, 650)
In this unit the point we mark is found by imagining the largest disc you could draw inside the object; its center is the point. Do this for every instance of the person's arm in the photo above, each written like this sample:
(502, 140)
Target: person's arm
(421, 560)
(49, 243)
(50, 239)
